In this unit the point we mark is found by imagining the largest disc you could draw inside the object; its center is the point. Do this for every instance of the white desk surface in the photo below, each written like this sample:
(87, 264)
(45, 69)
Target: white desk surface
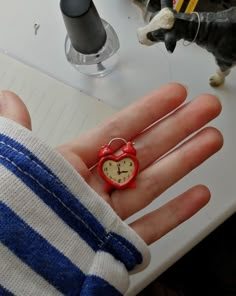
(141, 69)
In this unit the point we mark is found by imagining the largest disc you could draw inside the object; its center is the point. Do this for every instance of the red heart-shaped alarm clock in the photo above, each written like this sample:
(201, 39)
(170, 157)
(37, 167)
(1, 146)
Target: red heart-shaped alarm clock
(119, 171)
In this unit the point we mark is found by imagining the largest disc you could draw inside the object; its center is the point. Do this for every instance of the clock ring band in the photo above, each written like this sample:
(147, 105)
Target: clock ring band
(121, 139)
(116, 139)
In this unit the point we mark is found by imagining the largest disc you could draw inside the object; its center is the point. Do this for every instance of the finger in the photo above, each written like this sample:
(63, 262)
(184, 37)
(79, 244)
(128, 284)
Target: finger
(156, 224)
(169, 132)
(154, 180)
(12, 107)
(129, 122)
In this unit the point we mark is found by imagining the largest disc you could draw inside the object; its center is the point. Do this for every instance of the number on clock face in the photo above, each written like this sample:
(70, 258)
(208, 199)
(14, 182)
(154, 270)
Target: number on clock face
(119, 171)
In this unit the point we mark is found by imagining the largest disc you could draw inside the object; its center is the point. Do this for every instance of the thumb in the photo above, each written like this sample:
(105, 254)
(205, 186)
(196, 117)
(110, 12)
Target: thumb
(12, 107)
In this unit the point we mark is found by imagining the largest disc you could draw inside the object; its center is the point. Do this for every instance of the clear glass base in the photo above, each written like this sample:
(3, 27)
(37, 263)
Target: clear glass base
(98, 64)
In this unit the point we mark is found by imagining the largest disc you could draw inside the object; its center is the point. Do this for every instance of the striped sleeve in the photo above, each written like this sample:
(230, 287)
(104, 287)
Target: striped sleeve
(57, 236)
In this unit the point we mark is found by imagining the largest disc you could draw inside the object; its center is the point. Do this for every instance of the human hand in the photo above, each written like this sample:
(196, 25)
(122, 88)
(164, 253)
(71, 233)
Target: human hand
(156, 124)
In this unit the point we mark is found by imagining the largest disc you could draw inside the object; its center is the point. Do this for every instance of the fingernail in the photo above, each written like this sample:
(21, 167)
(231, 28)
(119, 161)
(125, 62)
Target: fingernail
(186, 87)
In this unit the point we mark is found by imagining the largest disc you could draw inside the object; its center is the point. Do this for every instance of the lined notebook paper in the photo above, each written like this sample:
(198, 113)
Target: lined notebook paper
(58, 112)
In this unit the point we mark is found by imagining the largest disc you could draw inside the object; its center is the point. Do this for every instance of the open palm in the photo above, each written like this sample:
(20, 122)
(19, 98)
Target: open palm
(159, 124)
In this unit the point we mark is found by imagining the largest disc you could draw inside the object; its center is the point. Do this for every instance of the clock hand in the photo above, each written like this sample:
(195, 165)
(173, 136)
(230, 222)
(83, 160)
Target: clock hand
(123, 172)
(118, 167)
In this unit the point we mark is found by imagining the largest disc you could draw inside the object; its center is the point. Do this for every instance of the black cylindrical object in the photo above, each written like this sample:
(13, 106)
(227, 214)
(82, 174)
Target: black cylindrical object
(84, 25)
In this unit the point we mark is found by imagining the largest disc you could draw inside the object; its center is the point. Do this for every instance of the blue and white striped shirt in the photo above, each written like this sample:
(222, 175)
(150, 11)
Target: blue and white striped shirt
(57, 236)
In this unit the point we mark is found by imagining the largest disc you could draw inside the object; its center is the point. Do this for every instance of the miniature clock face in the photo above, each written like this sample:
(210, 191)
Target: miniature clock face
(119, 171)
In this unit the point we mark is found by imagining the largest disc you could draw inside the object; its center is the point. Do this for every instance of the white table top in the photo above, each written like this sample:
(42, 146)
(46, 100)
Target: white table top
(140, 70)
